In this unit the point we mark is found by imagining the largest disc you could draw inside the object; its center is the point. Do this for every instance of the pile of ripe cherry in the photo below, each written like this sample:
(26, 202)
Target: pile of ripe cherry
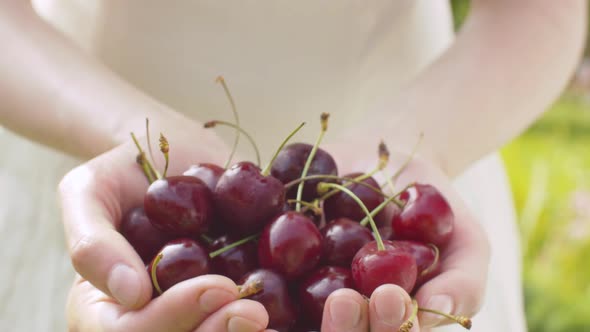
(290, 234)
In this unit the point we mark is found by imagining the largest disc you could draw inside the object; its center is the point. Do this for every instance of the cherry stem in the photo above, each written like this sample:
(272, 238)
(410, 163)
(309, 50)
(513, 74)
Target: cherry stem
(334, 177)
(221, 81)
(409, 323)
(380, 207)
(206, 239)
(325, 186)
(461, 320)
(214, 123)
(150, 173)
(149, 144)
(399, 171)
(316, 210)
(324, 123)
(436, 259)
(233, 245)
(250, 288)
(266, 170)
(153, 272)
(165, 149)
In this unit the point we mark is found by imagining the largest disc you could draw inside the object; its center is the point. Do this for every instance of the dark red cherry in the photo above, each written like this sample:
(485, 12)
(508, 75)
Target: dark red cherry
(235, 262)
(208, 173)
(142, 235)
(426, 257)
(182, 259)
(179, 205)
(342, 205)
(372, 268)
(275, 298)
(314, 291)
(386, 233)
(343, 238)
(426, 217)
(291, 245)
(246, 200)
(289, 165)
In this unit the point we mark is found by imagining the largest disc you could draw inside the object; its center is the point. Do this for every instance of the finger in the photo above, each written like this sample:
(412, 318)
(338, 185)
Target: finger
(390, 306)
(92, 203)
(181, 308)
(460, 287)
(238, 316)
(345, 311)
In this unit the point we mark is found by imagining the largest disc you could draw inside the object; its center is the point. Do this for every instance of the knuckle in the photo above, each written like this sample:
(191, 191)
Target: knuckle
(82, 251)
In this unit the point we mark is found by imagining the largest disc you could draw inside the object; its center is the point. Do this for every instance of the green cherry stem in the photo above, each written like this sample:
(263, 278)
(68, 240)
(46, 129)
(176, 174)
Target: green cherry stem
(221, 81)
(165, 149)
(434, 262)
(266, 170)
(461, 320)
(399, 171)
(325, 186)
(310, 205)
(380, 207)
(214, 123)
(324, 124)
(250, 289)
(233, 245)
(207, 239)
(333, 177)
(150, 173)
(153, 272)
(408, 324)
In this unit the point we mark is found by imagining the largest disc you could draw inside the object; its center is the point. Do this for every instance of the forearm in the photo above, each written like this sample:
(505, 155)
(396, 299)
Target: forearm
(54, 93)
(511, 60)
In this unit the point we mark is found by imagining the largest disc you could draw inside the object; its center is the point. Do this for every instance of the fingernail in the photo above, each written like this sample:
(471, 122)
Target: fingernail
(390, 306)
(240, 324)
(213, 299)
(344, 313)
(442, 303)
(124, 285)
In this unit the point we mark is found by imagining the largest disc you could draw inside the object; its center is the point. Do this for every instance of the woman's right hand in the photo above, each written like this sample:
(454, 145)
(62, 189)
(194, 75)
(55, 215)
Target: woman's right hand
(112, 290)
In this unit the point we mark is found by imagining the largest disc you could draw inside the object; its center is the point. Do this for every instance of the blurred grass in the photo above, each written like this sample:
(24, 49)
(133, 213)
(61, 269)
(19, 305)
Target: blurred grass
(549, 171)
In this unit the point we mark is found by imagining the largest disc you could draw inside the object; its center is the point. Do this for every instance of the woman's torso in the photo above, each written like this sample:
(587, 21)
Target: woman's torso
(285, 62)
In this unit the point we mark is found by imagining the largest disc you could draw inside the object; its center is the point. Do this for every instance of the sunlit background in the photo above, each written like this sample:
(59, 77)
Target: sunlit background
(549, 169)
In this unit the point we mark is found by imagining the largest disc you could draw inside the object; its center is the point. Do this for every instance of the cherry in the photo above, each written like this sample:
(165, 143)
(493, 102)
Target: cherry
(426, 217)
(275, 298)
(386, 232)
(343, 238)
(372, 268)
(179, 205)
(314, 291)
(142, 235)
(291, 245)
(289, 164)
(179, 260)
(342, 205)
(235, 262)
(208, 173)
(426, 256)
(246, 200)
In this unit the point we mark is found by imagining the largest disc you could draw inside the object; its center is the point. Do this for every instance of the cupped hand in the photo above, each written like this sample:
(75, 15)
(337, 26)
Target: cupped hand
(112, 290)
(458, 289)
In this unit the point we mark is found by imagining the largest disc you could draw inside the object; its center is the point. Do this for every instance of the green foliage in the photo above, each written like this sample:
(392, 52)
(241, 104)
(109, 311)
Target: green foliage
(549, 169)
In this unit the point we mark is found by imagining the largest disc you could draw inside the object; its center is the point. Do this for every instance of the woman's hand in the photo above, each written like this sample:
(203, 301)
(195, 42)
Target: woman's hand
(458, 289)
(112, 288)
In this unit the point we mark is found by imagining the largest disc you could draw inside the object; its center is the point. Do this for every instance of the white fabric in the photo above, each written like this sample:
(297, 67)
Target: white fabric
(285, 61)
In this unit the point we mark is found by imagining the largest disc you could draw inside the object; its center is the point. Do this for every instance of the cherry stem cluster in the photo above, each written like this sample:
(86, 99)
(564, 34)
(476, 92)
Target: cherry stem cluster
(325, 186)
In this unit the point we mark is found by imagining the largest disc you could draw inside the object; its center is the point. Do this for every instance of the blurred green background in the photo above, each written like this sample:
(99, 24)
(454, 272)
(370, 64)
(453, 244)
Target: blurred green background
(549, 169)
